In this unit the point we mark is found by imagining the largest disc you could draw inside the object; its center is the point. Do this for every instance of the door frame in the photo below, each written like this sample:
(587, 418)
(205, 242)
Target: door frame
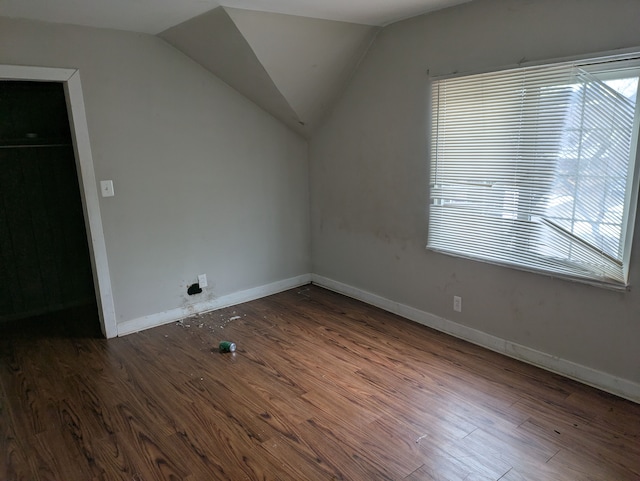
(70, 78)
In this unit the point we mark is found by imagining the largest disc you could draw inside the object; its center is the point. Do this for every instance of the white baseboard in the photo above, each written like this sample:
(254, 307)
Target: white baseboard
(606, 382)
(154, 320)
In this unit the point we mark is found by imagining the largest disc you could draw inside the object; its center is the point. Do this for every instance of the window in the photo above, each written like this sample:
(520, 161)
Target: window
(536, 168)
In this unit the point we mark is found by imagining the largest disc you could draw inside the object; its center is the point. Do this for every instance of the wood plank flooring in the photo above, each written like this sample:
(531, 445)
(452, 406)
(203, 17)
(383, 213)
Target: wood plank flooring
(322, 387)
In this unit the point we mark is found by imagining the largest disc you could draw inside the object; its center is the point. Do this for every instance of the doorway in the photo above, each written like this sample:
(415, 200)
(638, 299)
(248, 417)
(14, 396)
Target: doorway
(69, 79)
(46, 283)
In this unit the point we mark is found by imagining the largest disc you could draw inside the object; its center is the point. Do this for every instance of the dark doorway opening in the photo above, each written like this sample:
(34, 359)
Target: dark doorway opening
(46, 281)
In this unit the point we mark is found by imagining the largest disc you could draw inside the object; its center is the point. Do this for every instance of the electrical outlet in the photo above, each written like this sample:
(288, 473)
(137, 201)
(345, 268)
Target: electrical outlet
(457, 303)
(202, 280)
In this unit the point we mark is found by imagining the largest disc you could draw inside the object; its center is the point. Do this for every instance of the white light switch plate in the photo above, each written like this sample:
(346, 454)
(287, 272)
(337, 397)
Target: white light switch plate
(106, 187)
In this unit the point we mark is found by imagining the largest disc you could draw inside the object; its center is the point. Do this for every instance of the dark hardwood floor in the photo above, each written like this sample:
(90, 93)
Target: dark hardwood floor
(78, 321)
(321, 388)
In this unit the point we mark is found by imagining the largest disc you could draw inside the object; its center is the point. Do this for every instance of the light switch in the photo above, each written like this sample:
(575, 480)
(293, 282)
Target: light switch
(106, 187)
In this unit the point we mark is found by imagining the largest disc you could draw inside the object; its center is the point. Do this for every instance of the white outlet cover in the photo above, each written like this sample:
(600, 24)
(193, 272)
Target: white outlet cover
(457, 303)
(202, 280)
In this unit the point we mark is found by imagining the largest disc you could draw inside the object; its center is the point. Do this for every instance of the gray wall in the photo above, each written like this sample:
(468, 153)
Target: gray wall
(369, 181)
(205, 181)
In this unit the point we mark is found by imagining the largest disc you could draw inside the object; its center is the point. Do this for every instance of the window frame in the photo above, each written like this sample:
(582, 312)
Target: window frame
(602, 68)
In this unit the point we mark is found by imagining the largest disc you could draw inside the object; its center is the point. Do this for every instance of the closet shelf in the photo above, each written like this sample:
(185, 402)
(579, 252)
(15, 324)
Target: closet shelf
(33, 146)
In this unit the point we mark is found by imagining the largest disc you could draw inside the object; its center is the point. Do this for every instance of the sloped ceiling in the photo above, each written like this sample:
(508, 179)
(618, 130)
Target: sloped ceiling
(293, 58)
(293, 67)
(154, 16)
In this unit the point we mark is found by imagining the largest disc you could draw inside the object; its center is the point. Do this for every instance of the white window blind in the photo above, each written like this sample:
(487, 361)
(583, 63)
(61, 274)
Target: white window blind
(536, 168)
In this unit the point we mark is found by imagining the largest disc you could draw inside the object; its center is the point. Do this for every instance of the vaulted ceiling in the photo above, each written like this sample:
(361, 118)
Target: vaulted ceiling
(290, 57)
(293, 67)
